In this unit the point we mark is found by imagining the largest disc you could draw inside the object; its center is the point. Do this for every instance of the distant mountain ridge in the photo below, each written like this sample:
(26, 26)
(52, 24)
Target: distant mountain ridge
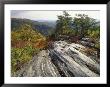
(51, 23)
(44, 27)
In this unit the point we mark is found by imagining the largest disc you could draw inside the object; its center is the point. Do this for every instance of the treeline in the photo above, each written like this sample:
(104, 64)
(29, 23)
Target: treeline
(81, 25)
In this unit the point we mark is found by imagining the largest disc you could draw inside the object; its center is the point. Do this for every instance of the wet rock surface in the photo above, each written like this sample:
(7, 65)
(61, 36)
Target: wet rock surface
(63, 60)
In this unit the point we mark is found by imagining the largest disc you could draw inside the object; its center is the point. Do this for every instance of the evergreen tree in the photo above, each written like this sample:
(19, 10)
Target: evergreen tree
(63, 24)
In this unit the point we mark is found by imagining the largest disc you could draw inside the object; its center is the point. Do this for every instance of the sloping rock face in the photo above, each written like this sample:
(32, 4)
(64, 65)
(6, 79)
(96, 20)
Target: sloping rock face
(39, 66)
(87, 42)
(63, 60)
(73, 61)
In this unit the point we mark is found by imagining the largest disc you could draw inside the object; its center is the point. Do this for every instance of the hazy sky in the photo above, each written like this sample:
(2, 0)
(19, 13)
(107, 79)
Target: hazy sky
(50, 15)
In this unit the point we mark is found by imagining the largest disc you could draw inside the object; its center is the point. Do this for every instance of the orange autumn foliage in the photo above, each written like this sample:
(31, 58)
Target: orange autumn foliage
(40, 44)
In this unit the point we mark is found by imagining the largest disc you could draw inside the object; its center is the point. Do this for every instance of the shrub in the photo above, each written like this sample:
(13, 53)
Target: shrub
(23, 42)
(20, 56)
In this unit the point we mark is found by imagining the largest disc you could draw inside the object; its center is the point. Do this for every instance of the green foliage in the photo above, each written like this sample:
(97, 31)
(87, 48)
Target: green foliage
(94, 33)
(24, 42)
(26, 33)
(80, 26)
(63, 24)
(20, 56)
(83, 23)
(97, 45)
(68, 32)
